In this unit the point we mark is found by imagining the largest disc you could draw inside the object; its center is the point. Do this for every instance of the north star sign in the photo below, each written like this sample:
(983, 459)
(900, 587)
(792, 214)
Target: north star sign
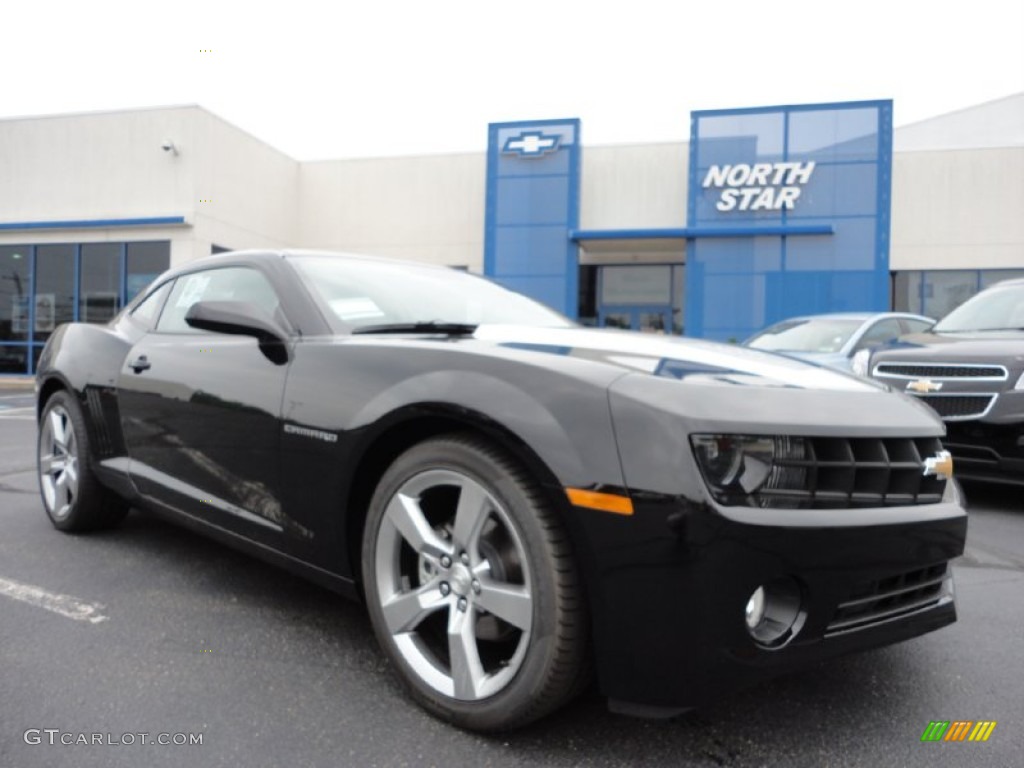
(758, 187)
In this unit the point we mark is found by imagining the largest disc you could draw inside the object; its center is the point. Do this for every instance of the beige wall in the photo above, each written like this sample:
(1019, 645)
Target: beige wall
(424, 208)
(958, 209)
(246, 192)
(95, 166)
(634, 186)
(112, 166)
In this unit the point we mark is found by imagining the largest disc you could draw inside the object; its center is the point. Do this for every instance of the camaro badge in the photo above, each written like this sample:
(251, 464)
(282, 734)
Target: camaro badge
(924, 386)
(317, 434)
(940, 465)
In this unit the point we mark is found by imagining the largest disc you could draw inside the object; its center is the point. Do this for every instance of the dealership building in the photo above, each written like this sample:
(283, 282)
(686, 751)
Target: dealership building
(756, 215)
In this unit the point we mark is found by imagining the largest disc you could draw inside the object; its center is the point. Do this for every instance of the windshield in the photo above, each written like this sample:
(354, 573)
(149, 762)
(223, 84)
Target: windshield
(811, 335)
(363, 292)
(996, 309)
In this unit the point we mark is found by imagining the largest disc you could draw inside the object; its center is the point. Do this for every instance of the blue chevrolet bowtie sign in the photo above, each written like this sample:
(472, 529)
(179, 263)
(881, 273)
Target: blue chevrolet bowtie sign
(533, 180)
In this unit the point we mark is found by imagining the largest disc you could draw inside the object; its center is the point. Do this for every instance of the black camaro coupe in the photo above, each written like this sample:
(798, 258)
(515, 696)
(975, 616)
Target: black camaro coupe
(521, 502)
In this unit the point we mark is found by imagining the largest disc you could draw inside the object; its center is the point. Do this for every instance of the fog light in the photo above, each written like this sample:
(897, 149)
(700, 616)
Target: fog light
(755, 608)
(775, 612)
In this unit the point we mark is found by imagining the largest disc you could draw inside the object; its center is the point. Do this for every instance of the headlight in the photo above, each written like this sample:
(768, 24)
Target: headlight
(860, 362)
(736, 467)
(1020, 382)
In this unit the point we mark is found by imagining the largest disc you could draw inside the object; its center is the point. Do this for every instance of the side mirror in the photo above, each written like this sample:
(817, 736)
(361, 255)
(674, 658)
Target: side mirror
(241, 318)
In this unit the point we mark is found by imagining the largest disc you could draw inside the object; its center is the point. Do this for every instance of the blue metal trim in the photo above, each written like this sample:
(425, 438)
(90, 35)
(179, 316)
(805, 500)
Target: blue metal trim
(532, 224)
(76, 288)
(883, 193)
(880, 103)
(782, 214)
(92, 223)
(692, 194)
(572, 259)
(529, 123)
(124, 274)
(689, 233)
(490, 201)
(29, 362)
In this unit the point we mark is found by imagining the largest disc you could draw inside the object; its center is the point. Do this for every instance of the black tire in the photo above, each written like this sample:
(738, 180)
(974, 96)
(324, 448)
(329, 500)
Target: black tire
(518, 563)
(72, 496)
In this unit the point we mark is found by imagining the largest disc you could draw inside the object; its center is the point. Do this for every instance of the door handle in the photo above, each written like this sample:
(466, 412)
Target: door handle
(140, 364)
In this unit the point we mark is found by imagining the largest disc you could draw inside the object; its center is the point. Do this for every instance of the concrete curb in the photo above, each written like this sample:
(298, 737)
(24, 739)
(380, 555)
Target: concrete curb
(12, 384)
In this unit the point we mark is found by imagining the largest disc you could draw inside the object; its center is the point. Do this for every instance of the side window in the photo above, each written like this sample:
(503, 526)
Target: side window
(879, 333)
(146, 313)
(226, 284)
(916, 326)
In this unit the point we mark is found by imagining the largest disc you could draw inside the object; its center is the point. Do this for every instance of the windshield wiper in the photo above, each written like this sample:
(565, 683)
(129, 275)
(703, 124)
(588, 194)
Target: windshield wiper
(450, 329)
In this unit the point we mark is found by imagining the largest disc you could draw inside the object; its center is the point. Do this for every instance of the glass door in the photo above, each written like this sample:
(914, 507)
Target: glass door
(637, 297)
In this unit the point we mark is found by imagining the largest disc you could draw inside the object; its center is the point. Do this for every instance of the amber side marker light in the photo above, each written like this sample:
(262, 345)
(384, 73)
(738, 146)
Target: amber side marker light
(603, 502)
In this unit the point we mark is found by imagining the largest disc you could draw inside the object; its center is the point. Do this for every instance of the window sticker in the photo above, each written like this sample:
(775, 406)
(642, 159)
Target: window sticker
(356, 308)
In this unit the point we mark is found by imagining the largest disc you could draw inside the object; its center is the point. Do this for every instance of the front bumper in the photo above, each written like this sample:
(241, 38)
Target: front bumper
(668, 601)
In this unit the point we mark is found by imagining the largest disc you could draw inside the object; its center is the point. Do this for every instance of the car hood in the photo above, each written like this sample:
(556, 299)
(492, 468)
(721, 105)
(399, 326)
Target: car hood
(987, 346)
(688, 360)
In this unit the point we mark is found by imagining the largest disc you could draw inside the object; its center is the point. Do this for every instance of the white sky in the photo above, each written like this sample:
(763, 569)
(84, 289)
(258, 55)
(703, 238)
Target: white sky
(391, 77)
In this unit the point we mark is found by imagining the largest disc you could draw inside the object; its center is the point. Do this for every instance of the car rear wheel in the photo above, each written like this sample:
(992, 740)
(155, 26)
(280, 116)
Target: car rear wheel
(72, 496)
(471, 586)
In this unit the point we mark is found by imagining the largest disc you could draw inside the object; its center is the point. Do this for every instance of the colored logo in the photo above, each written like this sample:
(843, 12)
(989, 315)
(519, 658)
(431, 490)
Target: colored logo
(940, 465)
(958, 730)
(532, 144)
(923, 386)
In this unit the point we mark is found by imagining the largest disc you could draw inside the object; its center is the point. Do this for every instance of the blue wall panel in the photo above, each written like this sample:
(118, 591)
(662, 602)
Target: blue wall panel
(737, 285)
(533, 177)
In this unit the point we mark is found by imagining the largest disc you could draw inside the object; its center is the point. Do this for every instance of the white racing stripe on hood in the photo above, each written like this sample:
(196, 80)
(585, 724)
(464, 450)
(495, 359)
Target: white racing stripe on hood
(645, 352)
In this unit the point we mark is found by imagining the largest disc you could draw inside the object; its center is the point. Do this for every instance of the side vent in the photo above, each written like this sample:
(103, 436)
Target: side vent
(103, 444)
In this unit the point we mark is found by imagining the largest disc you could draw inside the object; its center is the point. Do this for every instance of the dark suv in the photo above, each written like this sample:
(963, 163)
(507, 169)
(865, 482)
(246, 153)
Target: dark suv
(970, 368)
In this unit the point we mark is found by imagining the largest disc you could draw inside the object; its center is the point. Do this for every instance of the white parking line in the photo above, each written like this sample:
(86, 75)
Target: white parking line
(17, 413)
(66, 605)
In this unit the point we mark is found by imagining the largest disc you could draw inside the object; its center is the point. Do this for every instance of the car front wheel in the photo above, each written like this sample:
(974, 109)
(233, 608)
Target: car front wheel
(72, 495)
(471, 586)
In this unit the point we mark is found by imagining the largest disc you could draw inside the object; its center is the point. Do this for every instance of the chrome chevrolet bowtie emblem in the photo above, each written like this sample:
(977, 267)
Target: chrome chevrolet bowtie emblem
(923, 386)
(531, 144)
(940, 465)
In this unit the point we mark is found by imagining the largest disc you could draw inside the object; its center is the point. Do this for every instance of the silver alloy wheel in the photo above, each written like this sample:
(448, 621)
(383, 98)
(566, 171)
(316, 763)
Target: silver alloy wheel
(58, 462)
(454, 584)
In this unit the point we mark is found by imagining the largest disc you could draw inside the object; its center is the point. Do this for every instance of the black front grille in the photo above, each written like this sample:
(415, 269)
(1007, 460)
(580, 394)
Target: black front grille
(930, 371)
(835, 472)
(958, 406)
(889, 598)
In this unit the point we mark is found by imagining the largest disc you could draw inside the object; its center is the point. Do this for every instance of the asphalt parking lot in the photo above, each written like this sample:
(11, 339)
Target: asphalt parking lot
(165, 633)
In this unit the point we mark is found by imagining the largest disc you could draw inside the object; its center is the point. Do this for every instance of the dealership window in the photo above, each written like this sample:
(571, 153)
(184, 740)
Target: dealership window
(54, 301)
(15, 292)
(146, 261)
(937, 292)
(99, 282)
(42, 286)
